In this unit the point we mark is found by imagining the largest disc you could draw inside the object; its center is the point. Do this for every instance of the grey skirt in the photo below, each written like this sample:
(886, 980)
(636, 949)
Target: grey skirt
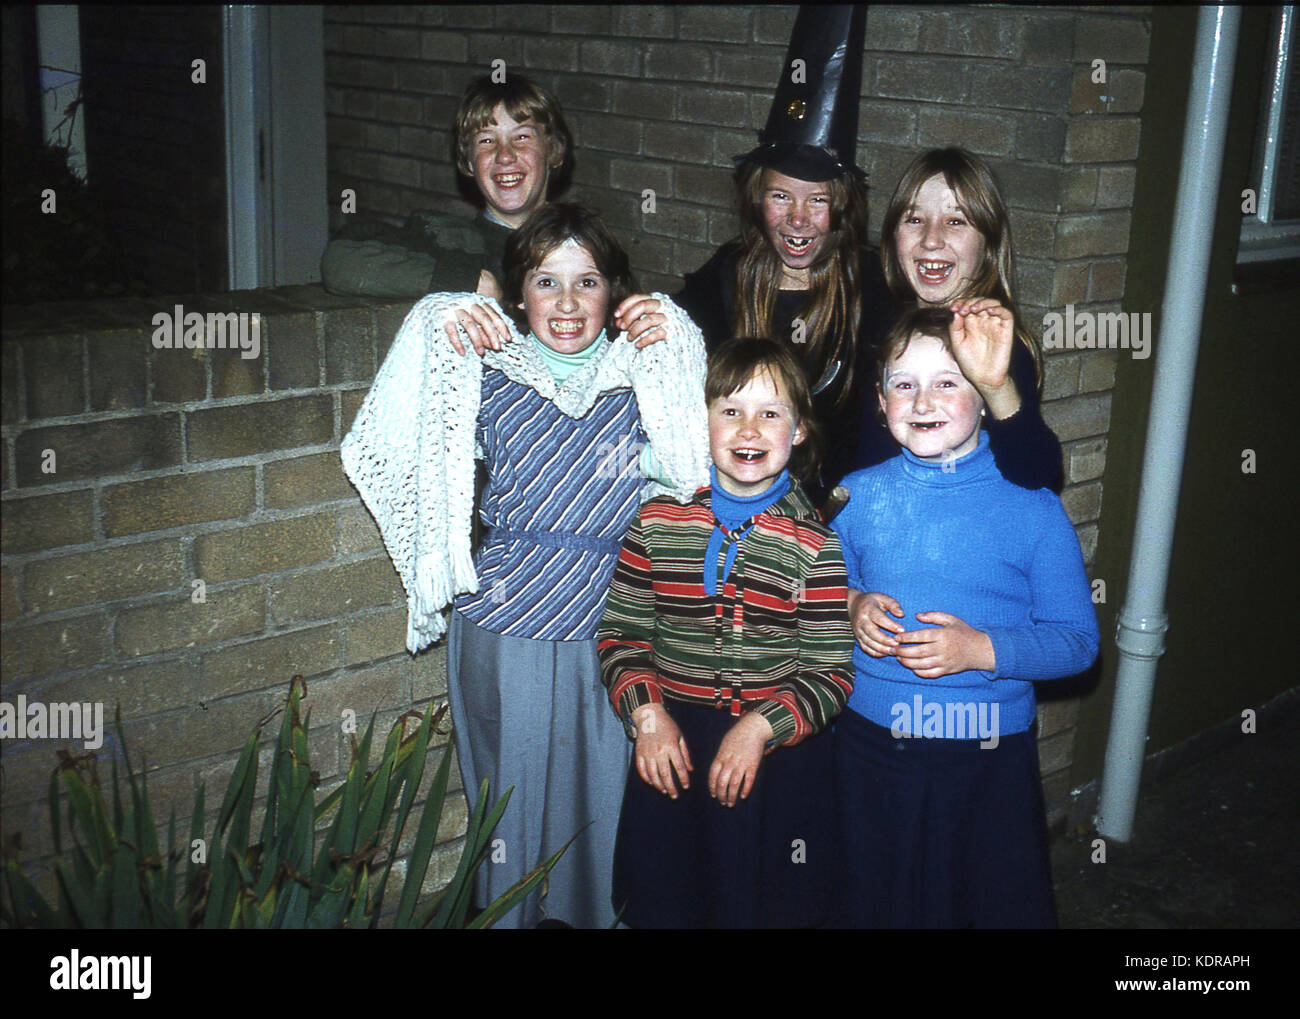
(535, 715)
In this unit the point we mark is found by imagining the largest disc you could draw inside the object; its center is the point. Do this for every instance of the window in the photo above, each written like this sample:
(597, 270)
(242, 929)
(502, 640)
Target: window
(1273, 233)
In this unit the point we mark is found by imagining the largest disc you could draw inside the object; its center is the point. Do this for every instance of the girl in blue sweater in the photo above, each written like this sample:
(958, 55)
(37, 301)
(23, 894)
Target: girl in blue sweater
(974, 589)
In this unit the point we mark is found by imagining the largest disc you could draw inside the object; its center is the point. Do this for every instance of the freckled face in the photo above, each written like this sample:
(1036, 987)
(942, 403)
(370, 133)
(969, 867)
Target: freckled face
(511, 166)
(929, 405)
(940, 250)
(751, 435)
(566, 299)
(796, 218)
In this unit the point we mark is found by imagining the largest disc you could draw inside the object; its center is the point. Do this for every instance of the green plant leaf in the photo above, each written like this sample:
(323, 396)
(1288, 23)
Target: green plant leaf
(165, 914)
(454, 907)
(246, 764)
(346, 842)
(125, 909)
(117, 799)
(417, 863)
(54, 812)
(192, 870)
(88, 815)
(101, 897)
(410, 758)
(518, 891)
(76, 894)
(27, 907)
(113, 872)
(357, 918)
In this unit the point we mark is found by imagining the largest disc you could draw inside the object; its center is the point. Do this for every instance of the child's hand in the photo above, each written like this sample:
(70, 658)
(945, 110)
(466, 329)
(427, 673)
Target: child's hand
(982, 333)
(736, 766)
(869, 611)
(485, 325)
(660, 749)
(952, 646)
(639, 317)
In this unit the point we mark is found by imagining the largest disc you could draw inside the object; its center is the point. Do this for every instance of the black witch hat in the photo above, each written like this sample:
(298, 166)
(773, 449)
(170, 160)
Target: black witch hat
(812, 131)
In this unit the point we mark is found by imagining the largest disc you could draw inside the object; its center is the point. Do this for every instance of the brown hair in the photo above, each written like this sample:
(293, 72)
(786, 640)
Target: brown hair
(525, 101)
(738, 360)
(977, 191)
(834, 306)
(543, 232)
(918, 321)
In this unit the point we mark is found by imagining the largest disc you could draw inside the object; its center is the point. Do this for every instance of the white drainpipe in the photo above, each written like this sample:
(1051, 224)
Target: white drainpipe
(1140, 634)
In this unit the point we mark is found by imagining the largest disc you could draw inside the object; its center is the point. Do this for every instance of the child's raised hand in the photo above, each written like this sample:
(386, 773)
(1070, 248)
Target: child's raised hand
(982, 334)
(486, 327)
(639, 317)
(735, 767)
(870, 611)
(951, 646)
(660, 749)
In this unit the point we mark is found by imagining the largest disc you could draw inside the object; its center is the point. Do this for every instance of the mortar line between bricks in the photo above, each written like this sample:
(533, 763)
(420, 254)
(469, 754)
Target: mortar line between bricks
(11, 462)
(23, 560)
(96, 521)
(136, 601)
(194, 468)
(186, 407)
(185, 445)
(149, 381)
(85, 373)
(319, 332)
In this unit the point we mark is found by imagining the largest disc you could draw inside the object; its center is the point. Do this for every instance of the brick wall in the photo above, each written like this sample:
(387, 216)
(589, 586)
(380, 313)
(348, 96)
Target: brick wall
(663, 97)
(171, 468)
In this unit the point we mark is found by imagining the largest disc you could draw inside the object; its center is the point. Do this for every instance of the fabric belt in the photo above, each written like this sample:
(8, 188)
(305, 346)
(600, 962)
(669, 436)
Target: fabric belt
(558, 539)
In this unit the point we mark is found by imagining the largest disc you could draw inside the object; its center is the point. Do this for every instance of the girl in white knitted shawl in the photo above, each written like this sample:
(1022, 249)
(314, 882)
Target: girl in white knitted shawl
(576, 430)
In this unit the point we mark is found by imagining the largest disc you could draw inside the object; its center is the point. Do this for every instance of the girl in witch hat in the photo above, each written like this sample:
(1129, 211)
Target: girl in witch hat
(801, 269)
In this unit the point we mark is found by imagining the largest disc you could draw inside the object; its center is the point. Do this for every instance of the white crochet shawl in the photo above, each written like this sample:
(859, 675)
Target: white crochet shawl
(411, 449)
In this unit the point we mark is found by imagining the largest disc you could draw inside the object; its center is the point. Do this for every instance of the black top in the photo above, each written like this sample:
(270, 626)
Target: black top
(1026, 451)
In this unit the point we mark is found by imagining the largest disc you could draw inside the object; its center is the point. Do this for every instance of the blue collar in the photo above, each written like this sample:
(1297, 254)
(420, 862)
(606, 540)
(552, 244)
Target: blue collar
(975, 464)
(731, 512)
(734, 510)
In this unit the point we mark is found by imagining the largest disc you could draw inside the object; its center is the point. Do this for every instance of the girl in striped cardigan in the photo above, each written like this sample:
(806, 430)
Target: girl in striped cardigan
(726, 636)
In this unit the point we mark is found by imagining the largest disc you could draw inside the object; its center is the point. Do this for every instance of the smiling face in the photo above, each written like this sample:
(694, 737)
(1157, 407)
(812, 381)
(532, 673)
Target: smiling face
(938, 247)
(566, 299)
(511, 166)
(796, 219)
(751, 434)
(929, 405)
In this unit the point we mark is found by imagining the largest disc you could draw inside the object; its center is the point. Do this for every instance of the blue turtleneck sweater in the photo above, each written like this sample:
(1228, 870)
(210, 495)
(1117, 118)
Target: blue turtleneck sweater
(958, 538)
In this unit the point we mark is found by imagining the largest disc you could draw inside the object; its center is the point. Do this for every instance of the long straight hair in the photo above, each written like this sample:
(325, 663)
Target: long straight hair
(977, 193)
(834, 304)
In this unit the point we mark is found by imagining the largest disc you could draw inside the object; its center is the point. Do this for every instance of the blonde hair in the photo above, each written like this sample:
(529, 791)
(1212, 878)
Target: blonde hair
(526, 102)
(972, 182)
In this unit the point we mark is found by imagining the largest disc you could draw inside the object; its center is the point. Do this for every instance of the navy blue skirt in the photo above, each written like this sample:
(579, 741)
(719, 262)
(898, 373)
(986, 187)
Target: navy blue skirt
(766, 862)
(940, 833)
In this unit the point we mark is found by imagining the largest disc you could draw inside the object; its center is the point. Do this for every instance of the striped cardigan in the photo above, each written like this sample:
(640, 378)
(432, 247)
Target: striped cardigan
(776, 639)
